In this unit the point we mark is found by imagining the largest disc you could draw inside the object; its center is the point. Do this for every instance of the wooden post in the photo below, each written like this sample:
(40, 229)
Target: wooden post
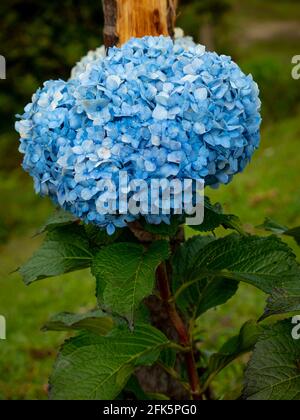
(125, 19)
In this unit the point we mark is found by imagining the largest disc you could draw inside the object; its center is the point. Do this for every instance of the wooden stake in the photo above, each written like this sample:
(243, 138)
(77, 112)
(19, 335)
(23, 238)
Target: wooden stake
(125, 19)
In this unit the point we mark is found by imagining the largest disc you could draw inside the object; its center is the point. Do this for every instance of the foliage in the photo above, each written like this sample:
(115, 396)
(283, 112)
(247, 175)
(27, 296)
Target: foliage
(273, 373)
(125, 275)
(272, 226)
(65, 249)
(199, 274)
(93, 377)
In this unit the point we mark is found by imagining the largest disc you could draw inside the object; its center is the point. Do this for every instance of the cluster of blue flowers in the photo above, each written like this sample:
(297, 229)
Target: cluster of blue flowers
(180, 39)
(151, 108)
(90, 57)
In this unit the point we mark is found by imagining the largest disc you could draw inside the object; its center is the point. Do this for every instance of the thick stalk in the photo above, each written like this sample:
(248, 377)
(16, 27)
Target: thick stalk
(181, 329)
(125, 19)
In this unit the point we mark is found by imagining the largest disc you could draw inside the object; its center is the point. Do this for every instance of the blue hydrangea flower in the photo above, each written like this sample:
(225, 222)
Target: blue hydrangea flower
(181, 40)
(151, 108)
(91, 56)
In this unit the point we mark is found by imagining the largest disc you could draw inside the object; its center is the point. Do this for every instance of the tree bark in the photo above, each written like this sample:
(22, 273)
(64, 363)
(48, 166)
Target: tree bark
(110, 22)
(125, 19)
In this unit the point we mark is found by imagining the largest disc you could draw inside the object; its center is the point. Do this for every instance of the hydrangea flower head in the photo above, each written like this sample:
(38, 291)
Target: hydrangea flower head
(151, 108)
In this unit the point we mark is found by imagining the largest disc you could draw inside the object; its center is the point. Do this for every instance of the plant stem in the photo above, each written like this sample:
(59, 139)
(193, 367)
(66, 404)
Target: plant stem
(182, 331)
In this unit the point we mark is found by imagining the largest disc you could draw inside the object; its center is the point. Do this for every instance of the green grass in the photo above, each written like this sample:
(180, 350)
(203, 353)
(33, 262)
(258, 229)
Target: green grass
(21, 210)
(27, 355)
(270, 184)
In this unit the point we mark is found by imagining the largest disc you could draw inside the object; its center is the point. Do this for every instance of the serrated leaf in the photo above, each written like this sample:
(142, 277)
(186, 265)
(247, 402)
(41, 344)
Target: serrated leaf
(65, 249)
(163, 229)
(206, 293)
(237, 346)
(58, 219)
(95, 321)
(272, 226)
(125, 274)
(98, 237)
(266, 263)
(91, 367)
(214, 218)
(284, 298)
(274, 370)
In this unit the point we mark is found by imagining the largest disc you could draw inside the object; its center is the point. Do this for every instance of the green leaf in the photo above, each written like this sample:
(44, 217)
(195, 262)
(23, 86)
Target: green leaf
(214, 218)
(274, 371)
(98, 237)
(294, 233)
(133, 388)
(163, 229)
(168, 357)
(58, 219)
(272, 226)
(91, 367)
(266, 263)
(234, 348)
(95, 321)
(125, 274)
(65, 249)
(206, 293)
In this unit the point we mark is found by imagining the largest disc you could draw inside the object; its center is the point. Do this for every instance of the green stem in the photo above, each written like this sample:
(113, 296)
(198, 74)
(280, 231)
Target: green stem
(178, 347)
(181, 329)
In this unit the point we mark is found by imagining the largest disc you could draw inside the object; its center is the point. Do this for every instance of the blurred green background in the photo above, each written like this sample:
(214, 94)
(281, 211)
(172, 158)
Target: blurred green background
(43, 40)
